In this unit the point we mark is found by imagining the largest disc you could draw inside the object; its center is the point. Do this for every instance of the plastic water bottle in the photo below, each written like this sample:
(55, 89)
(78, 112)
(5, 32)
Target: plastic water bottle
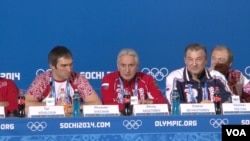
(62, 97)
(217, 100)
(175, 102)
(76, 104)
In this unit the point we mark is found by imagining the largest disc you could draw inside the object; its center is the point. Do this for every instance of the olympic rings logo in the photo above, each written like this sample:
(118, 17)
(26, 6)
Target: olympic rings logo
(132, 124)
(217, 123)
(157, 74)
(39, 71)
(37, 126)
(247, 71)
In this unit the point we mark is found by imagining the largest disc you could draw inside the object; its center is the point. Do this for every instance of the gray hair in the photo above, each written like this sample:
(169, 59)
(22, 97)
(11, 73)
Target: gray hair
(128, 51)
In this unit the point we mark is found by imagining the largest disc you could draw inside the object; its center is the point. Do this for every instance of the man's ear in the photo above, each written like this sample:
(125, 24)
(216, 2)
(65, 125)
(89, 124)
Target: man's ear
(117, 66)
(51, 66)
(230, 64)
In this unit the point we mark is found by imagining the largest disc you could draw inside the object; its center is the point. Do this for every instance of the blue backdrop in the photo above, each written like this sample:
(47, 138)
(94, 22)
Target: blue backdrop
(95, 30)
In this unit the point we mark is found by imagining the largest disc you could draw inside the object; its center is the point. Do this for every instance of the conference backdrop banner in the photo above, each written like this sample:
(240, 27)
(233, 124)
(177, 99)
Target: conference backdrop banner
(95, 31)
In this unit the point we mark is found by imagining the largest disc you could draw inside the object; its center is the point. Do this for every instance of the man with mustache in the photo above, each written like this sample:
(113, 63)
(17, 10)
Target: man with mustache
(222, 60)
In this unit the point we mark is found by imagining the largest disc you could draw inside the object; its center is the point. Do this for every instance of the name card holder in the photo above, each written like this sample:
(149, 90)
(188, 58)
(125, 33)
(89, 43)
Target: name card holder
(100, 110)
(150, 110)
(2, 113)
(235, 108)
(45, 111)
(197, 109)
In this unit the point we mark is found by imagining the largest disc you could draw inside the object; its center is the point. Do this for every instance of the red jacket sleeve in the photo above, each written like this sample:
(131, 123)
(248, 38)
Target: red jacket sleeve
(11, 95)
(155, 91)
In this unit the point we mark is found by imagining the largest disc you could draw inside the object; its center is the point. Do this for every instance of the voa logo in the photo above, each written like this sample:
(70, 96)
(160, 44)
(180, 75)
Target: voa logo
(236, 132)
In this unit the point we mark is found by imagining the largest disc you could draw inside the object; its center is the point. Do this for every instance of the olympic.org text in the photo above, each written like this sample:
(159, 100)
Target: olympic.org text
(7, 126)
(85, 125)
(176, 123)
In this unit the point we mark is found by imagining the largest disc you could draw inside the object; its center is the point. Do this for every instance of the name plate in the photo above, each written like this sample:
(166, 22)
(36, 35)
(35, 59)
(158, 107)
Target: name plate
(235, 99)
(46, 111)
(197, 109)
(2, 113)
(100, 110)
(150, 109)
(235, 108)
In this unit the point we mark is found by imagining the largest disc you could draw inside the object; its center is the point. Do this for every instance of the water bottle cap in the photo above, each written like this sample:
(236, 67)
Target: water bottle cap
(21, 92)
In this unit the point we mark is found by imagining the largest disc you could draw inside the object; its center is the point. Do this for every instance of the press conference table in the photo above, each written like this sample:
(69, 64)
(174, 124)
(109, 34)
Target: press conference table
(123, 128)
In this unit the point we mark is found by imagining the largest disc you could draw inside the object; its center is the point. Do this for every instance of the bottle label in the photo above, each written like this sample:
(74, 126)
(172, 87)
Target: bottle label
(126, 100)
(62, 97)
(21, 101)
(217, 99)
